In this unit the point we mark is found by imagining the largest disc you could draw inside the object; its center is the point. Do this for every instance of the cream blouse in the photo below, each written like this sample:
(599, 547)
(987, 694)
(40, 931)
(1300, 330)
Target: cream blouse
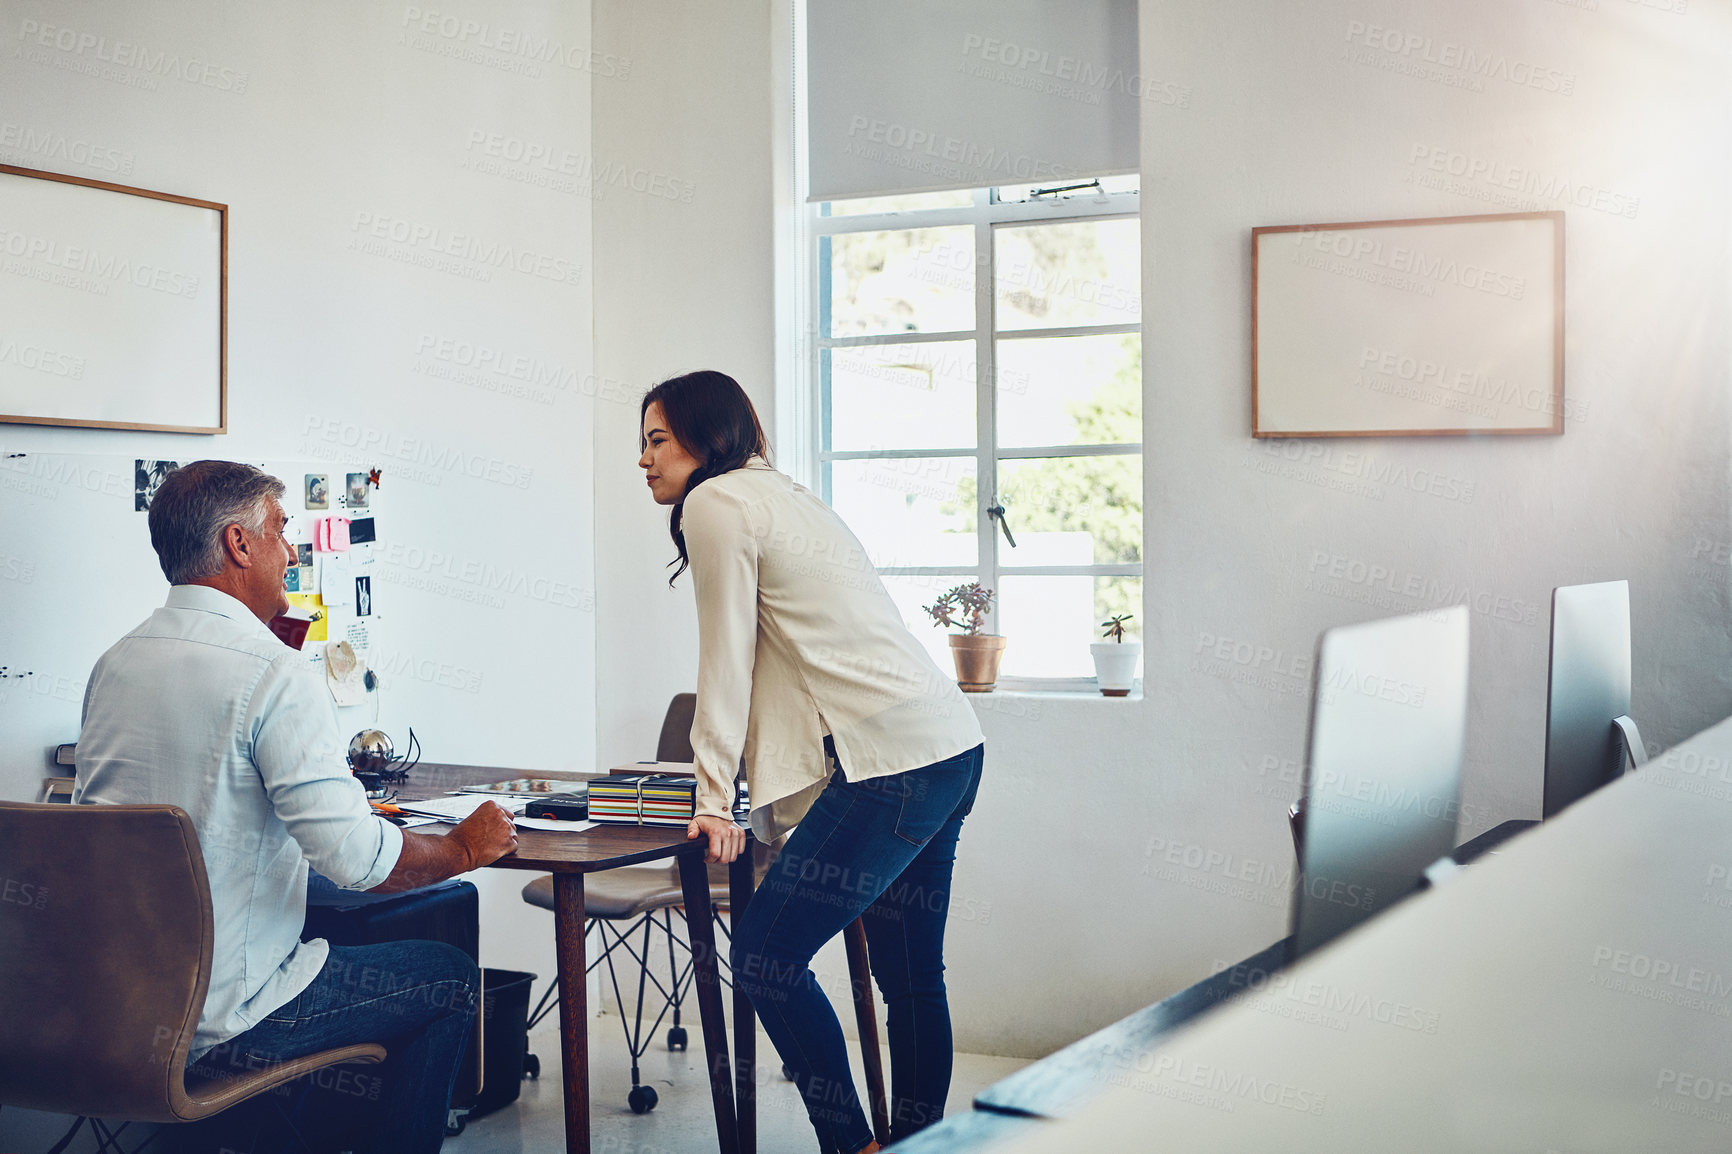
(798, 638)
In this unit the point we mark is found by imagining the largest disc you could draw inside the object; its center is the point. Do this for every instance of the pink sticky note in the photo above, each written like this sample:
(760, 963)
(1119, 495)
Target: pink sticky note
(331, 534)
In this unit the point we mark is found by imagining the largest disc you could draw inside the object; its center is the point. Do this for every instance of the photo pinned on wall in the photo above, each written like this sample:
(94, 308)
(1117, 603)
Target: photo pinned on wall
(305, 574)
(355, 493)
(363, 596)
(148, 477)
(318, 491)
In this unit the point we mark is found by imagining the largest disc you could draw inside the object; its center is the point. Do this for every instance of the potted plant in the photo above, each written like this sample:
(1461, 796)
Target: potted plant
(1115, 658)
(976, 654)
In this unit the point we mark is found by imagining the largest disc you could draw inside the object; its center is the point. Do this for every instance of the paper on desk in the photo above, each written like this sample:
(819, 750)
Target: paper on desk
(459, 806)
(552, 824)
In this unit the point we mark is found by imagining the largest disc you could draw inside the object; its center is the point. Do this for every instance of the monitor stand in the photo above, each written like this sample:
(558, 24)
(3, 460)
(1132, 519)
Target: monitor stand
(1635, 753)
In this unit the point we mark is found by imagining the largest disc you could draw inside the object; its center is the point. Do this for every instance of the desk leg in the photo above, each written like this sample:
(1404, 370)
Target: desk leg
(573, 1007)
(740, 882)
(695, 884)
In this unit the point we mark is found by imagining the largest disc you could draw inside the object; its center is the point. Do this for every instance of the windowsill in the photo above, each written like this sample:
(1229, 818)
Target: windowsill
(1077, 689)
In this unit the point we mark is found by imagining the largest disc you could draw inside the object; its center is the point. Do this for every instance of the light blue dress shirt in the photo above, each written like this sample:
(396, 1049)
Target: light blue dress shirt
(202, 707)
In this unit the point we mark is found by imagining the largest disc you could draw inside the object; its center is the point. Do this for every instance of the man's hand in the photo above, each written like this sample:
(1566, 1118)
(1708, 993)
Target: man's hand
(483, 837)
(726, 838)
(487, 835)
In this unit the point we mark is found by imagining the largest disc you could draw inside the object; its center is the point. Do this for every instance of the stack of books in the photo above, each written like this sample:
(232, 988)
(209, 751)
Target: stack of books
(614, 798)
(642, 799)
(665, 800)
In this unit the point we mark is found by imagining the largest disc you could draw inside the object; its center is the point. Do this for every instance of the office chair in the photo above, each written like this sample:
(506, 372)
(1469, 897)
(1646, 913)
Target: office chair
(648, 896)
(105, 959)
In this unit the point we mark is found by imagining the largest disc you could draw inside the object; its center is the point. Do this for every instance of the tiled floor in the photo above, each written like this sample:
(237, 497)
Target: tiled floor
(682, 1121)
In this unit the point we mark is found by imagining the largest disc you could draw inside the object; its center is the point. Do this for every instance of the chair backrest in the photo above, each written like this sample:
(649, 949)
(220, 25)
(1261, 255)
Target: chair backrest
(1383, 768)
(676, 745)
(676, 739)
(105, 957)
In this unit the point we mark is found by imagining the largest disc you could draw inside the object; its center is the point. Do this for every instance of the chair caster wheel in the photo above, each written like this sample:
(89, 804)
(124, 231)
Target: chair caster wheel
(642, 1099)
(787, 1074)
(455, 1122)
(677, 1038)
(531, 1066)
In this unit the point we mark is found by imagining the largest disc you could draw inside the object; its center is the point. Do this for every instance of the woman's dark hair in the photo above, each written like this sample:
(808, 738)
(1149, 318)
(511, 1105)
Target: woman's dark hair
(711, 417)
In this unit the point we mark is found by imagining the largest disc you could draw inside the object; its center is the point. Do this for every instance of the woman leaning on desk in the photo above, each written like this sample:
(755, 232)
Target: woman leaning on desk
(852, 738)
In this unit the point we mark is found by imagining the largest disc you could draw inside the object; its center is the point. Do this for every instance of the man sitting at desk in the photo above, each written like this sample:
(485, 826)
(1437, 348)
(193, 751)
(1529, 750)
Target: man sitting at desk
(202, 707)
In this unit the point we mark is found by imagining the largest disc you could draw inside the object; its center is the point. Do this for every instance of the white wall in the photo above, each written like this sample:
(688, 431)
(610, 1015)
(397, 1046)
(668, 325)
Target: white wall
(1282, 128)
(683, 282)
(318, 120)
(1256, 117)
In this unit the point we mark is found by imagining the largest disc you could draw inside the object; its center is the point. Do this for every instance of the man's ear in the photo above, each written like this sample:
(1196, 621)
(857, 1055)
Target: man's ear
(235, 545)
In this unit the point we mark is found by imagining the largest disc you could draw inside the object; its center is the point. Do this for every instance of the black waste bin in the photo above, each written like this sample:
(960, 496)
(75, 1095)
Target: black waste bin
(504, 1038)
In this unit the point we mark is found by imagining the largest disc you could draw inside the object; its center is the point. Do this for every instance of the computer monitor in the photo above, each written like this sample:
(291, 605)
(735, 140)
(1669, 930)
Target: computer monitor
(1383, 768)
(1588, 727)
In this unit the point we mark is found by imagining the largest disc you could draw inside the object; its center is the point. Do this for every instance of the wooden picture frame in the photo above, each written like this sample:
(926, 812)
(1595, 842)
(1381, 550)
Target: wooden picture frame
(113, 305)
(1434, 326)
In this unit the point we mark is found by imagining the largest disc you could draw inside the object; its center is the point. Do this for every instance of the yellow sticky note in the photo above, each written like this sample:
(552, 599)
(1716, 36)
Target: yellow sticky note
(312, 603)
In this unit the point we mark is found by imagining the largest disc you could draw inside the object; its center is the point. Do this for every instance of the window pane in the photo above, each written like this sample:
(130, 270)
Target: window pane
(1051, 621)
(911, 202)
(918, 280)
(902, 396)
(1070, 391)
(909, 510)
(911, 595)
(1071, 506)
(1081, 273)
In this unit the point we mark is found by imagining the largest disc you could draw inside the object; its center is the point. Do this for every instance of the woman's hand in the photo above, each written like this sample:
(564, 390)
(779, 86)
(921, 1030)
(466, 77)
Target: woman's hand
(726, 838)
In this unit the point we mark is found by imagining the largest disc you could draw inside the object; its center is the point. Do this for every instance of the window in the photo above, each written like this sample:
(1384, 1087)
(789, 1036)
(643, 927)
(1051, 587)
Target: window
(976, 371)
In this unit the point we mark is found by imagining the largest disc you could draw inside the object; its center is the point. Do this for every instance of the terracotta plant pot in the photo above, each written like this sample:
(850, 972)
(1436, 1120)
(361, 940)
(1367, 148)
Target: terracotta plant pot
(977, 660)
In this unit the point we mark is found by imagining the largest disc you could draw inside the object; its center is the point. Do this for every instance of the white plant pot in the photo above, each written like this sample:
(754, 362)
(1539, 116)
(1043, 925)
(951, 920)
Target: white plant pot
(1116, 665)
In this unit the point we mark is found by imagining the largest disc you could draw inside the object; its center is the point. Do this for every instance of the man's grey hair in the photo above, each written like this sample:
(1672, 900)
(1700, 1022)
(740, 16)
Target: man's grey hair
(195, 504)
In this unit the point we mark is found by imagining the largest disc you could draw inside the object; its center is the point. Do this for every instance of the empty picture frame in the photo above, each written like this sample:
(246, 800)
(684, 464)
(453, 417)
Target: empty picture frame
(113, 305)
(1446, 325)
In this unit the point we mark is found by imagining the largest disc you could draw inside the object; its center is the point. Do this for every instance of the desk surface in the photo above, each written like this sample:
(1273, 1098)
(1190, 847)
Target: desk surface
(583, 852)
(1572, 992)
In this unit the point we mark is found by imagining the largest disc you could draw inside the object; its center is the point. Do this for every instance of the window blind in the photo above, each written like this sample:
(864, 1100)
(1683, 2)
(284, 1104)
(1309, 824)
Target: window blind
(923, 95)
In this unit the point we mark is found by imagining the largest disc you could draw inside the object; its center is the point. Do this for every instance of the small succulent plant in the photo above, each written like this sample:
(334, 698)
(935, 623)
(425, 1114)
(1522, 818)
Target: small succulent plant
(1113, 629)
(963, 607)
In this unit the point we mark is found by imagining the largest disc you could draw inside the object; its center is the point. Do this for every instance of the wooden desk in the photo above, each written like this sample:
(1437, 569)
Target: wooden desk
(568, 857)
(1572, 992)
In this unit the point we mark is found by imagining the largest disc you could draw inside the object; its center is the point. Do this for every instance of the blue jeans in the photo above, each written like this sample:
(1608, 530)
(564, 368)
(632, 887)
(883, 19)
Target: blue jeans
(881, 850)
(417, 999)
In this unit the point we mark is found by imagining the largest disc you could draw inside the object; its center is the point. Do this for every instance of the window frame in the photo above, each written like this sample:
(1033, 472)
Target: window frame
(984, 216)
